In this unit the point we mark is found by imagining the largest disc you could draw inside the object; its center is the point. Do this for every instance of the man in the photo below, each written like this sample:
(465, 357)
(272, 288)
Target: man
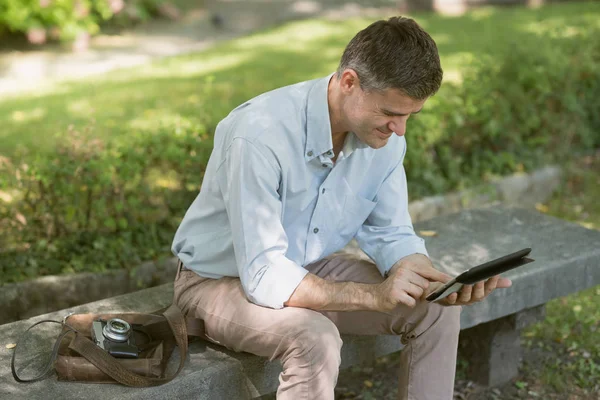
(295, 174)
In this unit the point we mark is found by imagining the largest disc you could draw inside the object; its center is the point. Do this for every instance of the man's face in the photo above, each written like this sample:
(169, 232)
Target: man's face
(375, 116)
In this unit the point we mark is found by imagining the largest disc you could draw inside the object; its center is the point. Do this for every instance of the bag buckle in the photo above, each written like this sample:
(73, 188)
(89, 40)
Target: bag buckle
(64, 320)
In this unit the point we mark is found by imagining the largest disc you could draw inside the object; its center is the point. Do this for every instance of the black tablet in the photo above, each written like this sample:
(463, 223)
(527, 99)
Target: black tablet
(482, 272)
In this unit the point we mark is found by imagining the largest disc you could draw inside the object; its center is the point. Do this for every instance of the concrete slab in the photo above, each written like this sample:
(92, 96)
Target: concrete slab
(567, 255)
(567, 261)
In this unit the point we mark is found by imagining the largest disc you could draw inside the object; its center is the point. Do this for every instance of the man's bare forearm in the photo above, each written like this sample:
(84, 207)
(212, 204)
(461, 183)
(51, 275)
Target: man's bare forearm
(318, 294)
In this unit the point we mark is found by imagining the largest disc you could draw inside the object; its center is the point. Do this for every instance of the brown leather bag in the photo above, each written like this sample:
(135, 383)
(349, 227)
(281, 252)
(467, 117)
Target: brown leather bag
(77, 357)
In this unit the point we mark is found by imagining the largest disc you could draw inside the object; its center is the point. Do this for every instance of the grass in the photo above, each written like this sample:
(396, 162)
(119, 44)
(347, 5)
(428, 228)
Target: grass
(562, 353)
(567, 343)
(204, 87)
(187, 5)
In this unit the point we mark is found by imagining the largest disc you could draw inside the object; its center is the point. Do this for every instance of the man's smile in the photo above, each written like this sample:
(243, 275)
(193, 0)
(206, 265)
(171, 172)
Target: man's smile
(383, 134)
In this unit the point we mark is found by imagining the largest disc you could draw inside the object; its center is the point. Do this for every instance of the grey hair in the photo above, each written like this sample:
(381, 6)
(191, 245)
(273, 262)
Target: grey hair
(394, 54)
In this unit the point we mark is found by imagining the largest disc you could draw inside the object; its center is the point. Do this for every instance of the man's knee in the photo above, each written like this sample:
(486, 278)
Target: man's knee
(316, 341)
(449, 317)
(431, 319)
(311, 359)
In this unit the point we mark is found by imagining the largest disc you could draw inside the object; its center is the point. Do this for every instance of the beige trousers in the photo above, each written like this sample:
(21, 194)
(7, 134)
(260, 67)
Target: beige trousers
(308, 342)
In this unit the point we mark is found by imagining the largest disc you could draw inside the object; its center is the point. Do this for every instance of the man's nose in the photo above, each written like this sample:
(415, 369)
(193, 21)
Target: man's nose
(398, 126)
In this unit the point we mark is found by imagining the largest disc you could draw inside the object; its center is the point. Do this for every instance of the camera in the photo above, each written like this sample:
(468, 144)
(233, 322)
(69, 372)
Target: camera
(115, 336)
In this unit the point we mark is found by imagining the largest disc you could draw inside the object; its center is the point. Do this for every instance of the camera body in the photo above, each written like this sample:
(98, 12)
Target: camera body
(116, 337)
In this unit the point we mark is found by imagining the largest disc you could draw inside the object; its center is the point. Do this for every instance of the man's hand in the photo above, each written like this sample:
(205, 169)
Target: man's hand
(407, 281)
(470, 294)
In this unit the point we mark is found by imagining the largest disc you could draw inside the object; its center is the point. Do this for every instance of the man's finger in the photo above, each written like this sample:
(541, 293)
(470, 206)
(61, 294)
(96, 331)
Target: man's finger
(405, 299)
(478, 291)
(449, 300)
(418, 280)
(464, 295)
(491, 284)
(504, 283)
(411, 276)
(452, 298)
(431, 273)
(414, 291)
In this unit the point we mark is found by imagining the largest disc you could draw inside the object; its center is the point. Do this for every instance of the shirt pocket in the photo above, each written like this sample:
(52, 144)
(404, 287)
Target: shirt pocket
(354, 211)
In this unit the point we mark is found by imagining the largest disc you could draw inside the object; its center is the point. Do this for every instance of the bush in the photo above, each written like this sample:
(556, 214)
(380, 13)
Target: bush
(538, 104)
(92, 206)
(67, 20)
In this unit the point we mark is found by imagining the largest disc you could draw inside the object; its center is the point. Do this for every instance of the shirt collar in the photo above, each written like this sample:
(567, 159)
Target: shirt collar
(318, 125)
(352, 143)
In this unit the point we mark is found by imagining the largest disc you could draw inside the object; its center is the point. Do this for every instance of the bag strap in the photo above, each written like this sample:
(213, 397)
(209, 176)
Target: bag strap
(48, 367)
(109, 365)
(194, 326)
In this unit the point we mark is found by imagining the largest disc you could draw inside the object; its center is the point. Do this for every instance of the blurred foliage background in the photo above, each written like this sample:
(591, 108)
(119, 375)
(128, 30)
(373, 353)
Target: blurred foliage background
(68, 20)
(97, 173)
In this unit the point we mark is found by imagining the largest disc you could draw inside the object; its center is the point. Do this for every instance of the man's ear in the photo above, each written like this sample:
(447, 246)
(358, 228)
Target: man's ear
(349, 81)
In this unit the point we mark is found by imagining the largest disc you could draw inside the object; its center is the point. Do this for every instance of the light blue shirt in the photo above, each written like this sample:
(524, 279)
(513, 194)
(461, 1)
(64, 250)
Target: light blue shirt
(272, 201)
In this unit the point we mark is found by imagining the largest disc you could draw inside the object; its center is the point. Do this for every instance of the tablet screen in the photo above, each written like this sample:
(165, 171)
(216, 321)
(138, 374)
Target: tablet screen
(482, 272)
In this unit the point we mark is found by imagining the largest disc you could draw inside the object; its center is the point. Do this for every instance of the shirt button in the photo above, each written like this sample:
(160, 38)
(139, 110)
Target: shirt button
(324, 165)
(323, 191)
(310, 153)
(316, 230)
(330, 153)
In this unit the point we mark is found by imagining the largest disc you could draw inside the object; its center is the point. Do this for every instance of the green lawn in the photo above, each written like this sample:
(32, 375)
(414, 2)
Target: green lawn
(203, 87)
(567, 343)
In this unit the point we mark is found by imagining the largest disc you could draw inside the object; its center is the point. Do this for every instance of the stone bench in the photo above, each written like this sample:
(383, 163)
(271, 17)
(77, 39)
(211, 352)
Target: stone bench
(567, 258)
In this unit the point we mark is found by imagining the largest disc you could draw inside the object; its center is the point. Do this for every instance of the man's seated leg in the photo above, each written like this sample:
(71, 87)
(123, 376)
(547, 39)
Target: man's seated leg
(307, 343)
(429, 331)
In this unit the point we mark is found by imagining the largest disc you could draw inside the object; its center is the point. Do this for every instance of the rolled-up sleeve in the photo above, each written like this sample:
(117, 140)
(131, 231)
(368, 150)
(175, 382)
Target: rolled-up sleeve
(388, 235)
(249, 179)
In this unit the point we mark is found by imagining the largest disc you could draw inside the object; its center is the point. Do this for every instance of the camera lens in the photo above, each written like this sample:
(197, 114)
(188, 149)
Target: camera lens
(116, 330)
